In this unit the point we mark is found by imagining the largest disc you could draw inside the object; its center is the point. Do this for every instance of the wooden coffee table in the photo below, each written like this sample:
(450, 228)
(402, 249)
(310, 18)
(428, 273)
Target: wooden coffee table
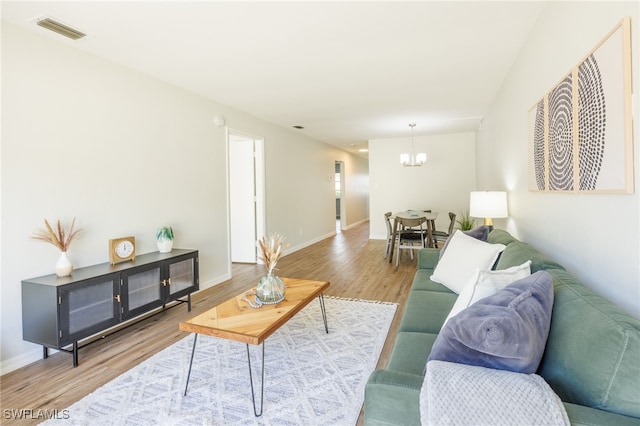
(236, 320)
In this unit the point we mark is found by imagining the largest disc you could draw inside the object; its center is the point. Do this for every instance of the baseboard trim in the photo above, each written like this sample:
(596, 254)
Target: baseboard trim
(308, 243)
(22, 360)
(353, 225)
(213, 282)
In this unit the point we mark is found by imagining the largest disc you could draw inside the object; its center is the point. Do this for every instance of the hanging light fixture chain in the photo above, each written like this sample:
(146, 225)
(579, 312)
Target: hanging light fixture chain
(413, 151)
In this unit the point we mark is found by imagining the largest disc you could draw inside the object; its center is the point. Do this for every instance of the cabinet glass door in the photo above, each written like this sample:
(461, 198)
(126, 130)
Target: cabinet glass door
(141, 290)
(88, 307)
(184, 277)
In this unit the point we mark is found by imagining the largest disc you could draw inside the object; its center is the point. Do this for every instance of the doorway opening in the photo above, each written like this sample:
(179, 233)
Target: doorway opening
(245, 170)
(339, 190)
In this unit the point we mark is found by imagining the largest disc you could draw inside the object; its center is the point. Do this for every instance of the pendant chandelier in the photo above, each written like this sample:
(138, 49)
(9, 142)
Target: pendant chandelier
(413, 160)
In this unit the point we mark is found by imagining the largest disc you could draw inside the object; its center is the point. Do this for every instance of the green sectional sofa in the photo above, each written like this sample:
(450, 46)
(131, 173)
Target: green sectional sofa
(591, 359)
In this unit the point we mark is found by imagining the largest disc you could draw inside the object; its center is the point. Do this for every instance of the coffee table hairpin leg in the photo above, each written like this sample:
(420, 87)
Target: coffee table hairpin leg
(193, 351)
(324, 312)
(253, 397)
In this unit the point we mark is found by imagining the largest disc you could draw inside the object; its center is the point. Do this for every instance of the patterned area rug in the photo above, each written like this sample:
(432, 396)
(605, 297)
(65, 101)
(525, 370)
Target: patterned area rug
(311, 378)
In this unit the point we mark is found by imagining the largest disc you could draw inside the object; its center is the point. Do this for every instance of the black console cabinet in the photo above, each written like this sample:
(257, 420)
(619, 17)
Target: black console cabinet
(59, 312)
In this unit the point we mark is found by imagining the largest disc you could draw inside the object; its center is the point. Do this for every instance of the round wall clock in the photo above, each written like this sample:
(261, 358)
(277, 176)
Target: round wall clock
(122, 249)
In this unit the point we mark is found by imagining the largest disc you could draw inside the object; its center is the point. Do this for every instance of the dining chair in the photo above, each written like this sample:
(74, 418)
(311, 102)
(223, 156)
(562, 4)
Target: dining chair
(410, 233)
(442, 236)
(387, 220)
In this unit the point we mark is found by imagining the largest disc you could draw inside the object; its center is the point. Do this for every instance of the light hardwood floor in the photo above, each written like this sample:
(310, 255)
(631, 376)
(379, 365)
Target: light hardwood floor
(353, 264)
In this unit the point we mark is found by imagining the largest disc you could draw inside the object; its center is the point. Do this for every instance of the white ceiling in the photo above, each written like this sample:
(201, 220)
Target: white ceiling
(346, 71)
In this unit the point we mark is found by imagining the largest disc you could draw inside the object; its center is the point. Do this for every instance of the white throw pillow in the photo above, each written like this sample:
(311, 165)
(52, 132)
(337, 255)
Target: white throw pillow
(464, 256)
(487, 283)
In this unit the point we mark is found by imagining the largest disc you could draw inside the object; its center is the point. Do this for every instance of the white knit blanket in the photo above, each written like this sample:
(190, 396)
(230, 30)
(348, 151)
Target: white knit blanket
(459, 394)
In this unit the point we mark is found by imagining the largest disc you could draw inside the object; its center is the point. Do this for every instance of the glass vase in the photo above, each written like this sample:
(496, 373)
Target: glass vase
(270, 289)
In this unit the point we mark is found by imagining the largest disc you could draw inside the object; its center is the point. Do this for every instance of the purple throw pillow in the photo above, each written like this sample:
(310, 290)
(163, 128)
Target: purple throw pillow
(480, 233)
(505, 331)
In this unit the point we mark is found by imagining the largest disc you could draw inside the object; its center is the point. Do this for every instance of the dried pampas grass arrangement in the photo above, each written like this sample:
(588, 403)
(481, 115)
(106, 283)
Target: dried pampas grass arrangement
(58, 237)
(271, 250)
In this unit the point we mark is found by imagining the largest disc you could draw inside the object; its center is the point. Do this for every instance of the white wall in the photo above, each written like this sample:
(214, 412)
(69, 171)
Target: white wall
(125, 153)
(356, 191)
(442, 184)
(596, 237)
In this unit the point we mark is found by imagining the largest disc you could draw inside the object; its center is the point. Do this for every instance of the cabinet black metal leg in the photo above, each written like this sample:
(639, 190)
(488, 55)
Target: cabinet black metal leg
(193, 351)
(253, 398)
(75, 354)
(324, 312)
(189, 302)
(45, 352)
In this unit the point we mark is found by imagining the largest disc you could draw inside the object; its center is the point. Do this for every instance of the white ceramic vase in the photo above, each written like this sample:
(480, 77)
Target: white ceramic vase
(63, 265)
(165, 245)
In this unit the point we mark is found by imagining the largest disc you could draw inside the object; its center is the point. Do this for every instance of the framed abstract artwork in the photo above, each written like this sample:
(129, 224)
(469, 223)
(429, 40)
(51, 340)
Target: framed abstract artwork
(580, 133)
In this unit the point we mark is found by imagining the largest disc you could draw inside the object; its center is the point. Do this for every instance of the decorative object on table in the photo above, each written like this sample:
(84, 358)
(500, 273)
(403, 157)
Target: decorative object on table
(413, 159)
(255, 304)
(580, 132)
(466, 222)
(164, 239)
(62, 240)
(122, 249)
(271, 289)
(489, 205)
(64, 265)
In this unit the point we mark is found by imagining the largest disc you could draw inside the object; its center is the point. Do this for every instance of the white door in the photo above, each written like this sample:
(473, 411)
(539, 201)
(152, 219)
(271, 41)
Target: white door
(242, 199)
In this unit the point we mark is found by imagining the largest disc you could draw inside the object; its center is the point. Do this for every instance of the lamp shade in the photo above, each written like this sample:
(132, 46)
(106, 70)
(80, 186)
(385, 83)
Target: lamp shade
(488, 204)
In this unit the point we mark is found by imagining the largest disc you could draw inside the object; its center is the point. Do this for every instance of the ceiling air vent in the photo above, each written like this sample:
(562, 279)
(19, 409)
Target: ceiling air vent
(60, 28)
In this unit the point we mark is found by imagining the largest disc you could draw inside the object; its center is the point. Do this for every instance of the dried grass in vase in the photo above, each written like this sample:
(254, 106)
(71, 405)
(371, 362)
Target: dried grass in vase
(271, 250)
(58, 237)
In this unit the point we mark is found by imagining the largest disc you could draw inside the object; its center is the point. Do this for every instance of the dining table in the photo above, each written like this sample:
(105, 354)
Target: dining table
(431, 217)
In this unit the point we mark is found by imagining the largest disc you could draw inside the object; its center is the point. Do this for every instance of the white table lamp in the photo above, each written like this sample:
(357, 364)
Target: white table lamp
(489, 205)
